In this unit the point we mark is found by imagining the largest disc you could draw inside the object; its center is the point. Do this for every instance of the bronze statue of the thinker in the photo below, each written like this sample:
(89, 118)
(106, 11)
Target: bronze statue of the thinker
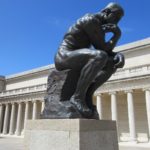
(93, 66)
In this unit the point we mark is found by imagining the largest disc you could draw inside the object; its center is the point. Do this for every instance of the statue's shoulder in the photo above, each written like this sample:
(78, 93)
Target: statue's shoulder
(88, 18)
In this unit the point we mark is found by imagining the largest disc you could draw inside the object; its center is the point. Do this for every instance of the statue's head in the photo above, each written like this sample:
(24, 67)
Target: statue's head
(112, 13)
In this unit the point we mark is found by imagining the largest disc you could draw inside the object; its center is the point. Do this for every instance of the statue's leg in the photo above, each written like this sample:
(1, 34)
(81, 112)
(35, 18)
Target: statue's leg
(100, 79)
(88, 63)
(88, 74)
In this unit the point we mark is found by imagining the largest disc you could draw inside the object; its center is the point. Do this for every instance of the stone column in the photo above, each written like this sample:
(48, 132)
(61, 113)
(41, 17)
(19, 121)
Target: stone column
(42, 106)
(12, 119)
(131, 115)
(147, 97)
(19, 118)
(34, 114)
(6, 117)
(114, 113)
(1, 116)
(99, 106)
(26, 116)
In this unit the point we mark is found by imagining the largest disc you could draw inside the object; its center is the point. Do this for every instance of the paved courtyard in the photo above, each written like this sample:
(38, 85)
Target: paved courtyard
(8, 143)
(15, 143)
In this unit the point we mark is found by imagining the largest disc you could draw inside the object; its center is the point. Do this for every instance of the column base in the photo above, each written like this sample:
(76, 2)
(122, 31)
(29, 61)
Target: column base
(4, 133)
(133, 141)
(18, 133)
(74, 134)
(22, 133)
(11, 133)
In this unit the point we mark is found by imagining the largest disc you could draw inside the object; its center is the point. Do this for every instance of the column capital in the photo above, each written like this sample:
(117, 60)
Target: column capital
(99, 94)
(34, 101)
(146, 89)
(12, 103)
(6, 103)
(129, 91)
(26, 102)
(19, 102)
(112, 92)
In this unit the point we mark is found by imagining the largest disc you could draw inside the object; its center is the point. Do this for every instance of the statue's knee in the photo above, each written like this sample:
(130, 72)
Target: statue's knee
(102, 57)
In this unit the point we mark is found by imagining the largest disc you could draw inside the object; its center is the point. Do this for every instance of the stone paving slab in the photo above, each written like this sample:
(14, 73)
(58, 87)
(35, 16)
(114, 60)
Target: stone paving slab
(15, 143)
(134, 146)
(8, 143)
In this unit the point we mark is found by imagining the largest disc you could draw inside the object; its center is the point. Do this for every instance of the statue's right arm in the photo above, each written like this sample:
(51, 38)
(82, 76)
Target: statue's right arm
(96, 35)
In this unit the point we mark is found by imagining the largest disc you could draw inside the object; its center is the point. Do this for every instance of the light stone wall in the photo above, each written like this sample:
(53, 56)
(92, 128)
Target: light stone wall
(32, 80)
(136, 53)
(2, 83)
(137, 58)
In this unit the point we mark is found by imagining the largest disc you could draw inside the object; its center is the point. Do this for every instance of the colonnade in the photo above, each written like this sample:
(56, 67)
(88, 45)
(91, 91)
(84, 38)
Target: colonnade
(130, 110)
(13, 115)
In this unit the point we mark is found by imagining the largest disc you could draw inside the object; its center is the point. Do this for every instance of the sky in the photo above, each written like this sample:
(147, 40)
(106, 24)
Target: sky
(31, 30)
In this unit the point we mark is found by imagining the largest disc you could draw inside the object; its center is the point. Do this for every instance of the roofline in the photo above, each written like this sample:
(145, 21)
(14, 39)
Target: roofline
(122, 48)
(2, 77)
(133, 45)
(29, 72)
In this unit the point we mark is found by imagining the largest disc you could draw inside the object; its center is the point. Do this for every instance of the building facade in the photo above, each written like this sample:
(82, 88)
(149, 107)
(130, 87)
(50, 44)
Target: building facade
(124, 98)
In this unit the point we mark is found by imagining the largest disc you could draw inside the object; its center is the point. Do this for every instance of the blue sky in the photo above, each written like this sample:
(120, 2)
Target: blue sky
(31, 30)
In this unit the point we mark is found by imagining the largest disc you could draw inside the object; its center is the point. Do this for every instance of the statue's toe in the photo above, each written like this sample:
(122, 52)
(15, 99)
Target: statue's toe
(81, 107)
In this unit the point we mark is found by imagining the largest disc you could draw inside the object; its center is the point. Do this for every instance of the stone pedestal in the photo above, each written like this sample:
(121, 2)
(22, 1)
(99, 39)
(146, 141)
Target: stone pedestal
(70, 134)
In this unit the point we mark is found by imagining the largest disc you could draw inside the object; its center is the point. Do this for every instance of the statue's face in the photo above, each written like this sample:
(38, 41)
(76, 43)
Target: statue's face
(113, 17)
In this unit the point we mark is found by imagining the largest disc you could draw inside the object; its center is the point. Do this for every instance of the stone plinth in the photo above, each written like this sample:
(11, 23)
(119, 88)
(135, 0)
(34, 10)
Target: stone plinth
(61, 86)
(70, 134)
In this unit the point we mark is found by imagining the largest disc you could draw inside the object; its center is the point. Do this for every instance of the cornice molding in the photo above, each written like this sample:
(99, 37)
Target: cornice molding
(112, 92)
(124, 85)
(129, 91)
(133, 46)
(26, 97)
(24, 91)
(30, 72)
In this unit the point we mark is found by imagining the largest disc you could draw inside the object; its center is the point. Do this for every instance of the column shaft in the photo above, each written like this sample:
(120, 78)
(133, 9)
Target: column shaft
(12, 120)
(26, 113)
(6, 117)
(131, 116)
(34, 114)
(99, 106)
(114, 107)
(19, 118)
(1, 116)
(147, 97)
(42, 106)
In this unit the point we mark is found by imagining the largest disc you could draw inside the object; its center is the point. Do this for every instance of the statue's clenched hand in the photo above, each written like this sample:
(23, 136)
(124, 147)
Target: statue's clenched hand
(119, 60)
(111, 28)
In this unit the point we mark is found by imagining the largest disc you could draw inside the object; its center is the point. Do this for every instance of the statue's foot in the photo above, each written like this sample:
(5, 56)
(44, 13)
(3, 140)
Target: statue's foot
(95, 114)
(81, 107)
